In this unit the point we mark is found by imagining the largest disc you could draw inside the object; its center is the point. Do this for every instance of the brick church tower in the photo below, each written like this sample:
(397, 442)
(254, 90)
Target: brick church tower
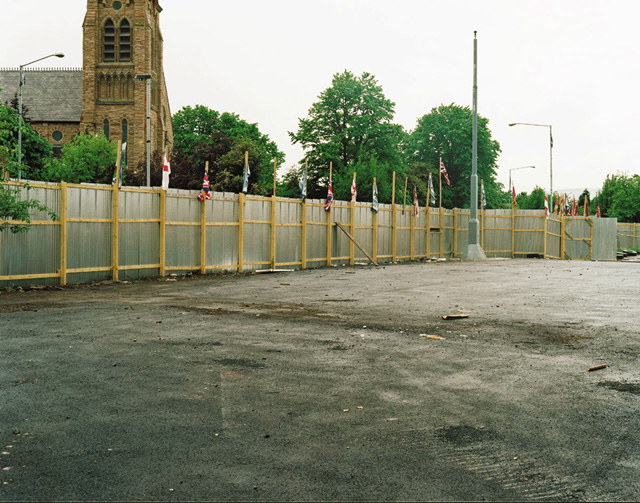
(122, 39)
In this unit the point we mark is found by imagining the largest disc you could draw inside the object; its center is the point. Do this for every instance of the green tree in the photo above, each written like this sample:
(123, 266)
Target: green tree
(533, 201)
(85, 159)
(620, 198)
(202, 134)
(35, 150)
(446, 133)
(15, 208)
(351, 126)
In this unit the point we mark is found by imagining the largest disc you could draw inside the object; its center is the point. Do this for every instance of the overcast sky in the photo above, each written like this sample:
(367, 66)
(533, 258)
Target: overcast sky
(573, 64)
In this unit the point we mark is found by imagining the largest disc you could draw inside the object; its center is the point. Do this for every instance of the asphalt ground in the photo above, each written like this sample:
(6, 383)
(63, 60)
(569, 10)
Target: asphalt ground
(340, 384)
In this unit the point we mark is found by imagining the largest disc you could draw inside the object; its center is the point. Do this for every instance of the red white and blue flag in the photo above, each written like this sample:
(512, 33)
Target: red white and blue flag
(205, 193)
(354, 192)
(443, 170)
(327, 205)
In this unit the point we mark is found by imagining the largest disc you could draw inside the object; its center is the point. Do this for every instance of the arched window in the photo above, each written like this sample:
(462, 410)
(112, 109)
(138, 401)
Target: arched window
(125, 41)
(109, 42)
(125, 139)
(105, 128)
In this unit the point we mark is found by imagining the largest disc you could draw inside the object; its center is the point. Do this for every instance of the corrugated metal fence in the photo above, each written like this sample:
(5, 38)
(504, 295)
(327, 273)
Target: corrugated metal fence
(110, 233)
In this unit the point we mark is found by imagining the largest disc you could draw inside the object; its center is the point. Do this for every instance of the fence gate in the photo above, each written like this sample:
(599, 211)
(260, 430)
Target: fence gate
(578, 234)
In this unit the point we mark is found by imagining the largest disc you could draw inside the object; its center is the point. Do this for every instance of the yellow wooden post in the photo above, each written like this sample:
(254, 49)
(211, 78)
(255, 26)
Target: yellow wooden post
(241, 200)
(513, 232)
(428, 229)
(63, 233)
(563, 236)
(394, 220)
(273, 217)
(635, 232)
(352, 224)
(413, 233)
(203, 230)
(455, 232)
(114, 242)
(482, 228)
(441, 232)
(304, 234)
(374, 238)
(546, 229)
(163, 233)
(329, 222)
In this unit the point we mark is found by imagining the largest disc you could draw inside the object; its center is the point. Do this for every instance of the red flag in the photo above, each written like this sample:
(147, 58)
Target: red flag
(598, 210)
(586, 206)
(443, 170)
(327, 205)
(353, 189)
(546, 206)
(166, 171)
(513, 196)
(574, 208)
(415, 202)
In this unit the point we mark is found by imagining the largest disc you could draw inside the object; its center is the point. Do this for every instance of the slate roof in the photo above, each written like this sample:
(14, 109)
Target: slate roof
(51, 95)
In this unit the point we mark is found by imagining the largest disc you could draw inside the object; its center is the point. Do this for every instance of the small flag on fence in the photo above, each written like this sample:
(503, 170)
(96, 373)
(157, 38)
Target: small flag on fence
(246, 174)
(586, 206)
(514, 204)
(443, 170)
(483, 196)
(574, 209)
(546, 206)
(123, 158)
(432, 193)
(416, 208)
(327, 205)
(555, 207)
(166, 171)
(598, 211)
(375, 204)
(205, 194)
(353, 189)
(303, 182)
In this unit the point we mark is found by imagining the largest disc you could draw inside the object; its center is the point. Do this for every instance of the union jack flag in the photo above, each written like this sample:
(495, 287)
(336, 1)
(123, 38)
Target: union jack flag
(327, 205)
(205, 188)
(443, 170)
(353, 189)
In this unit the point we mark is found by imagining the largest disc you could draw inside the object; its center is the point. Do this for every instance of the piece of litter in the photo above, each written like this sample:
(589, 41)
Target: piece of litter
(454, 316)
(360, 407)
(392, 419)
(345, 410)
(434, 337)
(597, 367)
(285, 284)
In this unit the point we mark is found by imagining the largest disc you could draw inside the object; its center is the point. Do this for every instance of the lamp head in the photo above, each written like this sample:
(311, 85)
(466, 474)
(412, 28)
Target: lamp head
(59, 55)
(512, 124)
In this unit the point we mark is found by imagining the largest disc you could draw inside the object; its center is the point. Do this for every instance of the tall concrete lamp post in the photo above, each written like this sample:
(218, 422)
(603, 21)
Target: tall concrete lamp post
(141, 78)
(57, 55)
(550, 154)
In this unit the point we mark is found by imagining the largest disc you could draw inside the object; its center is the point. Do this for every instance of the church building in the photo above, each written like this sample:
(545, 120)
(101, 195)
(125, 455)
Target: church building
(121, 40)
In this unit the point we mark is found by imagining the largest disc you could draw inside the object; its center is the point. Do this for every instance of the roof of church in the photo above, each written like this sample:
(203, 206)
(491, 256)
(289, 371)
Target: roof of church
(51, 95)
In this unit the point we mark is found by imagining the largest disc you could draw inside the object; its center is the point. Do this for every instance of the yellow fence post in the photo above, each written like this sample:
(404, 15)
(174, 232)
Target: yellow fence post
(546, 229)
(329, 221)
(114, 243)
(203, 236)
(63, 233)
(413, 233)
(441, 232)
(374, 237)
(482, 228)
(563, 237)
(428, 227)
(455, 232)
(304, 234)
(513, 232)
(394, 220)
(163, 233)
(273, 231)
(241, 200)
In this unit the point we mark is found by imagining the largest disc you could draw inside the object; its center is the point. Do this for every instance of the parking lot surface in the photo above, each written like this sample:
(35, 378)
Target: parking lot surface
(338, 384)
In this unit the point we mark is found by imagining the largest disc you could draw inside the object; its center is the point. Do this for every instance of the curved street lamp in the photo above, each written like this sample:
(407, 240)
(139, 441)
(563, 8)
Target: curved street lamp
(57, 55)
(550, 153)
(514, 169)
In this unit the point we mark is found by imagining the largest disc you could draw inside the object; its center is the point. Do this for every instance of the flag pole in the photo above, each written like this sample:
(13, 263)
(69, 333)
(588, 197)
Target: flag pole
(474, 250)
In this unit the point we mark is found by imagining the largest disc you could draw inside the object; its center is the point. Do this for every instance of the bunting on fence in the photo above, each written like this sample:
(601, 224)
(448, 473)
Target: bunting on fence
(416, 208)
(374, 204)
(246, 174)
(432, 193)
(205, 193)
(166, 171)
(443, 170)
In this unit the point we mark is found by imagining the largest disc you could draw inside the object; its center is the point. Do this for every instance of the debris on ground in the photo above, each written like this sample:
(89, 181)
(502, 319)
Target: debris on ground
(454, 316)
(434, 337)
(597, 367)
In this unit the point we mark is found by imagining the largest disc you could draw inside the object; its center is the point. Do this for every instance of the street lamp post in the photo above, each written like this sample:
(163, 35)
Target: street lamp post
(514, 169)
(140, 78)
(550, 153)
(57, 55)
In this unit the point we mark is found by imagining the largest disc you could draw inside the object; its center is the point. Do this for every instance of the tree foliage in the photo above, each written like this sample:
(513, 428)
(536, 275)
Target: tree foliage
(533, 201)
(351, 126)
(85, 159)
(620, 198)
(15, 211)
(202, 134)
(446, 133)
